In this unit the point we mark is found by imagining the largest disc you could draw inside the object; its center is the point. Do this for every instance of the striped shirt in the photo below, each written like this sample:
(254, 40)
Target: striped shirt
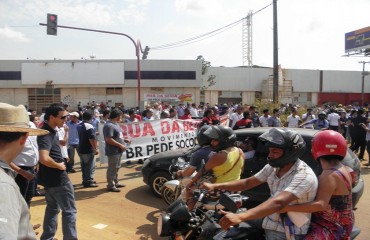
(300, 180)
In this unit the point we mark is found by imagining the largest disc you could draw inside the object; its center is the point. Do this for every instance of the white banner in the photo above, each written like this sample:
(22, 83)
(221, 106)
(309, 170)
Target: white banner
(168, 97)
(152, 137)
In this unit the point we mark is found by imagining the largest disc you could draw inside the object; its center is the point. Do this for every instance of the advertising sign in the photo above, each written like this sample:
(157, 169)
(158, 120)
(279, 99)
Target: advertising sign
(153, 97)
(357, 40)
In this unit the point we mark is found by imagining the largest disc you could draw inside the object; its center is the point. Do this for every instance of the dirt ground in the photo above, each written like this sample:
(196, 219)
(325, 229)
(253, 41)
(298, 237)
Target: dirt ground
(132, 213)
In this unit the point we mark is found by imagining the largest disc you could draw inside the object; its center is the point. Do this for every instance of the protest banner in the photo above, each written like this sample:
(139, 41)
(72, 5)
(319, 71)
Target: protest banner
(152, 137)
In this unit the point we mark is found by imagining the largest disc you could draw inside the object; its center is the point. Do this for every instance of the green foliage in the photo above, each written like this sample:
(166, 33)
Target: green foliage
(261, 105)
(211, 78)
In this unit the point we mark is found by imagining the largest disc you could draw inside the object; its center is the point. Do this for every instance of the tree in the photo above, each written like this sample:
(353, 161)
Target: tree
(210, 78)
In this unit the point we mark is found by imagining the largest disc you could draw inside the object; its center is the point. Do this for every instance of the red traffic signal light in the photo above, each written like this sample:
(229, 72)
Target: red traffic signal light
(52, 24)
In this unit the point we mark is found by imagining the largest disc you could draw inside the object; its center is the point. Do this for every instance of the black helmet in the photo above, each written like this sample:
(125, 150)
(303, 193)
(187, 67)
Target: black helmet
(225, 136)
(322, 113)
(290, 141)
(201, 138)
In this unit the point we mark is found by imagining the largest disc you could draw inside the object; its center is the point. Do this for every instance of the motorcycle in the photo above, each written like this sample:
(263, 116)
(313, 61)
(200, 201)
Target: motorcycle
(173, 189)
(178, 223)
(202, 224)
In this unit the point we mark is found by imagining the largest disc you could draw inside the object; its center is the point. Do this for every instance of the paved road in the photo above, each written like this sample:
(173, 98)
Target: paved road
(132, 214)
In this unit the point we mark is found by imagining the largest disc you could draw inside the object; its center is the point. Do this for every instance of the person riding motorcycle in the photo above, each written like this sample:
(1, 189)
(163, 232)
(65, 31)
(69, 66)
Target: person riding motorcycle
(291, 181)
(320, 123)
(202, 154)
(332, 216)
(228, 161)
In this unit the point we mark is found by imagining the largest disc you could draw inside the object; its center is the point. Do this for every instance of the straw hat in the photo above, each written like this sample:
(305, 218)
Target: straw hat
(16, 119)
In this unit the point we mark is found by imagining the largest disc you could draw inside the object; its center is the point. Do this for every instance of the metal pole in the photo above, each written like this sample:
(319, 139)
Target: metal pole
(137, 50)
(138, 73)
(275, 91)
(363, 83)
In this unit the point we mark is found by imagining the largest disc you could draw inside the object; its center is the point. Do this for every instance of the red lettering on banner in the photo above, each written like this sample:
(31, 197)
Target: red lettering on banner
(131, 130)
(175, 127)
(165, 127)
(148, 130)
(190, 125)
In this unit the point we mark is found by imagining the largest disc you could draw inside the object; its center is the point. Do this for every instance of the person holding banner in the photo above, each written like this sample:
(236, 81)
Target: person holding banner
(114, 147)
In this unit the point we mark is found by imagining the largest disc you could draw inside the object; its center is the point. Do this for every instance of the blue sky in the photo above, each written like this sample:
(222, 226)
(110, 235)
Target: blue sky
(311, 32)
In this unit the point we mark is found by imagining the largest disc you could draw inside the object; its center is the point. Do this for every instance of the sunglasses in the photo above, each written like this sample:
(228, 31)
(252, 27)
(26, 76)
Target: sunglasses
(62, 117)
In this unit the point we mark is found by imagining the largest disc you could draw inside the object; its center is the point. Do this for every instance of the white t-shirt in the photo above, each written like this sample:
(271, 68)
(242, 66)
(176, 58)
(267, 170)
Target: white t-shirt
(194, 112)
(309, 118)
(263, 121)
(234, 118)
(333, 119)
(64, 149)
(293, 122)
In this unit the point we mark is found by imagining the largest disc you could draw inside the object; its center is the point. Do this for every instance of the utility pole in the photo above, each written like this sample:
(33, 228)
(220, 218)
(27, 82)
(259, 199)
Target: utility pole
(275, 81)
(363, 74)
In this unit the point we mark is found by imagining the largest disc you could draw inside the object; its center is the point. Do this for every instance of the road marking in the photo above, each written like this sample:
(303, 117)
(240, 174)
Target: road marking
(100, 226)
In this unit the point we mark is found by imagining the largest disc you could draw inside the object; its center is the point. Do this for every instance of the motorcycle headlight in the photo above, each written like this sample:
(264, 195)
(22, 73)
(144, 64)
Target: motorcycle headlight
(181, 213)
(163, 225)
(174, 205)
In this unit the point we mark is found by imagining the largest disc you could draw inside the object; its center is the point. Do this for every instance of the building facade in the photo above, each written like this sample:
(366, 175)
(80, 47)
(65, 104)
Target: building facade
(37, 83)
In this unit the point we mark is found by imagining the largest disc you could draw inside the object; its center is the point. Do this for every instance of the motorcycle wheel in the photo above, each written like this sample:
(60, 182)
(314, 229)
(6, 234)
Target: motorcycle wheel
(168, 195)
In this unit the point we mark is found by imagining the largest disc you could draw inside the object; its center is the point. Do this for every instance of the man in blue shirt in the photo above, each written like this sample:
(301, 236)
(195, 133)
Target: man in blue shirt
(73, 140)
(320, 123)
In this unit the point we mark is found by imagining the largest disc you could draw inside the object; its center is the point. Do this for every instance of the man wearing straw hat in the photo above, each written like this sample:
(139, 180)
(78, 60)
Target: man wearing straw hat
(59, 192)
(14, 213)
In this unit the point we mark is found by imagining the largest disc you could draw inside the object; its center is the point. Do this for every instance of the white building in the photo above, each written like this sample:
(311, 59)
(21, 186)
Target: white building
(37, 83)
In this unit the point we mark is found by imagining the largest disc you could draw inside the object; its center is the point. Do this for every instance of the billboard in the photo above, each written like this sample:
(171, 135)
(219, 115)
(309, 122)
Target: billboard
(75, 72)
(357, 40)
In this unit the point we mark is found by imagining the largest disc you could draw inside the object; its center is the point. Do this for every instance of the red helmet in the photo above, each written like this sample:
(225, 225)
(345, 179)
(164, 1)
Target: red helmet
(329, 142)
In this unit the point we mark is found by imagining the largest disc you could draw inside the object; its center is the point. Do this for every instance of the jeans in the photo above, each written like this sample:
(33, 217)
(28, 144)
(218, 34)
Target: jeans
(276, 235)
(71, 155)
(60, 198)
(87, 167)
(26, 187)
(114, 164)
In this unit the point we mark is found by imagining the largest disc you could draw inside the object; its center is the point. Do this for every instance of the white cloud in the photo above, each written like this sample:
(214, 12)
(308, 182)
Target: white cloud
(12, 35)
(86, 13)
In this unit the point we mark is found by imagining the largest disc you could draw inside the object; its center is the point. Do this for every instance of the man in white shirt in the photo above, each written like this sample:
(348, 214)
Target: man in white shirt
(237, 115)
(308, 117)
(156, 111)
(194, 111)
(293, 120)
(333, 119)
(264, 118)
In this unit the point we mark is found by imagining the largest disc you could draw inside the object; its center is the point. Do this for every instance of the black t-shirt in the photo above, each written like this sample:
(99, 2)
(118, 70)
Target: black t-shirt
(357, 129)
(200, 155)
(51, 177)
(86, 132)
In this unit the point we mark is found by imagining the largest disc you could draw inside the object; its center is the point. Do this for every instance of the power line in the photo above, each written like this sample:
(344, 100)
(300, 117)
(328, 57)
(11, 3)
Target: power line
(204, 35)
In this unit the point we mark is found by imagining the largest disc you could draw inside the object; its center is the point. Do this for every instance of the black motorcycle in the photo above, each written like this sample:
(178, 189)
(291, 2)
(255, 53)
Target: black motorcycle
(178, 223)
(202, 224)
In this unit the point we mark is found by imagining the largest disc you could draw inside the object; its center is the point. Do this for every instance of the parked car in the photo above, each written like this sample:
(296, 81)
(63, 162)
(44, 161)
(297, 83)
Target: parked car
(155, 168)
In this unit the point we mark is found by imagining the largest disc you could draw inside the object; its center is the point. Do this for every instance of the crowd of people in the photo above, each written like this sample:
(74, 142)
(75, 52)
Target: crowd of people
(41, 149)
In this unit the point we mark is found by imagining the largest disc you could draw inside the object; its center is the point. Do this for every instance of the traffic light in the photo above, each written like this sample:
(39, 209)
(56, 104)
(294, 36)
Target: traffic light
(145, 53)
(52, 24)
